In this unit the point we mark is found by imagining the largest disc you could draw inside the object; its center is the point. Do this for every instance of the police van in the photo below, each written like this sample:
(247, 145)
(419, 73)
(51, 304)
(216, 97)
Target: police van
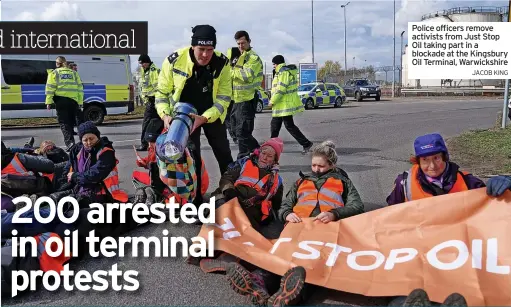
(107, 84)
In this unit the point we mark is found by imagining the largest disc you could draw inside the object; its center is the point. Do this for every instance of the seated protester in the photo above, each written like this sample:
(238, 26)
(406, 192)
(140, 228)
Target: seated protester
(255, 181)
(313, 196)
(25, 173)
(18, 163)
(92, 173)
(432, 173)
(498, 185)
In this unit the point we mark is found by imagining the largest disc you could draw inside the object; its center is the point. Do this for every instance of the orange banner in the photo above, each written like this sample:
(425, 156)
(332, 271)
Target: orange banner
(444, 244)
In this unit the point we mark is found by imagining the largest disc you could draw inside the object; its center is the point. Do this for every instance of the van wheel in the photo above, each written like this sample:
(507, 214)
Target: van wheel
(259, 107)
(95, 114)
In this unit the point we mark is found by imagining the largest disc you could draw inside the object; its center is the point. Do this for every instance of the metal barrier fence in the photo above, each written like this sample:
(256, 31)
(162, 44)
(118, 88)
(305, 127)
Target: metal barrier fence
(452, 92)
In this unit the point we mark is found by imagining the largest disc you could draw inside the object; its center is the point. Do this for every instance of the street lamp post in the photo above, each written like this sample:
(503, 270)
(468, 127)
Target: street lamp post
(401, 61)
(505, 108)
(312, 16)
(394, 55)
(353, 67)
(345, 55)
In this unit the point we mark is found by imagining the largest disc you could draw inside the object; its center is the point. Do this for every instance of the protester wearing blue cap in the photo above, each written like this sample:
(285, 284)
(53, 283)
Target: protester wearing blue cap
(432, 173)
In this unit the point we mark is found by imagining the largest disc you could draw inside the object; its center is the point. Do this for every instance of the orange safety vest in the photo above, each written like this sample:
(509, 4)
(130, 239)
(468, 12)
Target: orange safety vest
(414, 191)
(111, 181)
(46, 262)
(49, 176)
(16, 167)
(329, 196)
(249, 176)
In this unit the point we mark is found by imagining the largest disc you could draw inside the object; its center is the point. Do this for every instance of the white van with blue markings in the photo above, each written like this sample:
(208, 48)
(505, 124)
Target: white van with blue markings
(107, 82)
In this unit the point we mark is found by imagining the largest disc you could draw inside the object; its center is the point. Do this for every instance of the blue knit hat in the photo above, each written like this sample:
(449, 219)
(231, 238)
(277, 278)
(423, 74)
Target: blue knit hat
(429, 144)
(88, 127)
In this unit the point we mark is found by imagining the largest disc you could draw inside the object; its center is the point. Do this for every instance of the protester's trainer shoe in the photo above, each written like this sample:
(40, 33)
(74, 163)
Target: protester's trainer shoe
(455, 299)
(417, 297)
(307, 149)
(219, 264)
(247, 284)
(291, 285)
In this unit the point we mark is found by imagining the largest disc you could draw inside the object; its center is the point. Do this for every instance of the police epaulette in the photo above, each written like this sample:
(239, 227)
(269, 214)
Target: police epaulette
(173, 57)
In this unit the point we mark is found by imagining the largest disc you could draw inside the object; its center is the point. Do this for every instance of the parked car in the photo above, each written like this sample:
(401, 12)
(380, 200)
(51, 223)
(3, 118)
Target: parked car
(264, 100)
(318, 94)
(362, 88)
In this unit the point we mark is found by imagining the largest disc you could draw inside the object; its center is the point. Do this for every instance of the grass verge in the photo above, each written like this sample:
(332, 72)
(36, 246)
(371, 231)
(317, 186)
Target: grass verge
(483, 152)
(43, 121)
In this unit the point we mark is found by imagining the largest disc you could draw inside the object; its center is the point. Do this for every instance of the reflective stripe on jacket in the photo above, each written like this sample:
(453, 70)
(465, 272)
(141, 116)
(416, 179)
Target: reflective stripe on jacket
(249, 176)
(64, 82)
(176, 69)
(15, 167)
(328, 197)
(247, 76)
(414, 191)
(284, 92)
(149, 81)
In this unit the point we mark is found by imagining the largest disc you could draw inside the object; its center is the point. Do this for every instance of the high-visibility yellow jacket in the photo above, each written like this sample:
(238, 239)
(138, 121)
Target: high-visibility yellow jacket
(284, 92)
(247, 76)
(149, 81)
(64, 82)
(177, 68)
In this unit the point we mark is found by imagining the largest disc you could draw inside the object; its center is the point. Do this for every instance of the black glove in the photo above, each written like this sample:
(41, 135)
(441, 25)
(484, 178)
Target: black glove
(230, 193)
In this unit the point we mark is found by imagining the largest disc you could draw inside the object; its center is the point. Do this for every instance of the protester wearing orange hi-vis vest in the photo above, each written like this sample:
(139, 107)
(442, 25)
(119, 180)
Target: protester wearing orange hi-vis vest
(336, 198)
(256, 182)
(431, 174)
(92, 168)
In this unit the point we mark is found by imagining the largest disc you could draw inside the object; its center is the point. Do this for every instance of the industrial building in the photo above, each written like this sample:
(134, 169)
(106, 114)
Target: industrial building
(458, 14)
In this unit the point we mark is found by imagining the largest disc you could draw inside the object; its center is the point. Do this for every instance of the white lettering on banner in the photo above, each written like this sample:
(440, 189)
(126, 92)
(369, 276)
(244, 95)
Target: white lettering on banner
(352, 260)
(403, 255)
(466, 50)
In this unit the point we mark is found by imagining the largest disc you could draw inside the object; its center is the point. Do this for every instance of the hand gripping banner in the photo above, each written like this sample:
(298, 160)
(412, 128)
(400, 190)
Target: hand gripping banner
(451, 243)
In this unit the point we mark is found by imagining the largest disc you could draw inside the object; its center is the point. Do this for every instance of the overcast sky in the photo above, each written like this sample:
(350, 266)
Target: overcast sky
(277, 27)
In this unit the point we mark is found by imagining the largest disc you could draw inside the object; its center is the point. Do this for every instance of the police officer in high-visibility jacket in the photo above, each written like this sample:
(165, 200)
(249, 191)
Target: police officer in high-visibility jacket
(149, 81)
(64, 88)
(247, 77)
(200, 76)
(285, 101)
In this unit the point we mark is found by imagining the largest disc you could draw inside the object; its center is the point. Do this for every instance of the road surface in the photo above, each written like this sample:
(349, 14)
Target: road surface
(374, 141)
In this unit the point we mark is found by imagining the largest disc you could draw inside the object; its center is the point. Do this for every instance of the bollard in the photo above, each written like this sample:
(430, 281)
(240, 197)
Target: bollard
(170, 146)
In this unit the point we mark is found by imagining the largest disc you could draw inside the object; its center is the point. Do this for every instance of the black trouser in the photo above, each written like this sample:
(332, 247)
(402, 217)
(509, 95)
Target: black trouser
(244, 116)
(149, 113)
(276, 124)
(230, 122)
(217, 138)
(67, 113)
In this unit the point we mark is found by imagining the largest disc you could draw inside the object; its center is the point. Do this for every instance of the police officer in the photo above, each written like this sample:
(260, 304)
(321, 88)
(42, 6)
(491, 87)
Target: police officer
(285, 101)
(247, 77)
(233, 55)
(200, 76)
(149, 82)
(64, 88)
